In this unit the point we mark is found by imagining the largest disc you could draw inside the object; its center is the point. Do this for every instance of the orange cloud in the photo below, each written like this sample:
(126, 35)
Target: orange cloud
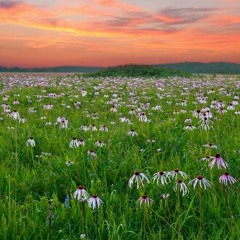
(114, 32)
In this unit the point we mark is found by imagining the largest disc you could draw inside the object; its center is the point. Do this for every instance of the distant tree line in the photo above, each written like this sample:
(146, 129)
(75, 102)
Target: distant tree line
(138, 71)
(146, 70)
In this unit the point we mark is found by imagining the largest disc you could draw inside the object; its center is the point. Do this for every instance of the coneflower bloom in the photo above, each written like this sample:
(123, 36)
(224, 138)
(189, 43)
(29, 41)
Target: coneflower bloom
(95, 202)
(188, 120)
(145, 200)
(203, 182)
(165, 196)
(226, 179)
(84, 128)
(142, 117)
(132, 133)
(81, 194)
(69, 163)
(15, 114)
(132, 112)
(31, 142)
(99, 144)
(73, 143)
(205, 124)
(22, 120)
(207, 158)
(181, 186)
(103, 128)
(84, 93)
(93, 128)
(160, 176)
(220, 162)
(189, 127)
(175, 173)
(210, 145)
(92, 153)
(138, 178)
(81, 142)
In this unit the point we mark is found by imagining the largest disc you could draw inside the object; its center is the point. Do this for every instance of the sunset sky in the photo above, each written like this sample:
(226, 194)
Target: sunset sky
(41, 33)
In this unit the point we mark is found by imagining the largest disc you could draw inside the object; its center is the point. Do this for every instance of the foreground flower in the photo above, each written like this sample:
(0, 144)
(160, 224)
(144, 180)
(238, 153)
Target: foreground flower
(189, 127)
(207, 158)
(138, 178)
(81, 194)
(73, 143)
(226, 179)
(210, 145)
(92, 153)
(220, 162)
(31, 142)
(165, 196)
(94, 202)
(176, 172)
(132, 133)
(160, 176)
(69, 163)
(145, 200)
(181, 186)
(203, 182)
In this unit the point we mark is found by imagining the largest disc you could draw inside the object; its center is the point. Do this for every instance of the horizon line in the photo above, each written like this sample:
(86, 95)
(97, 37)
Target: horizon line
(87, 66)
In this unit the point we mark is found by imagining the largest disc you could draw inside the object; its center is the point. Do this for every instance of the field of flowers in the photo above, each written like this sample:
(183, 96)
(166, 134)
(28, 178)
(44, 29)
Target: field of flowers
(119, 158)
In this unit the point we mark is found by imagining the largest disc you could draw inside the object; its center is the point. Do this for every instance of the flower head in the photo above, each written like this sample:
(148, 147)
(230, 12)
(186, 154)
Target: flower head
(145, 200)
(81, 194)
(160, 176)
(203, 182)
(132, 133)
(181, 186)
(95, 201)
(69, 163)
(226, 179)
(176, 172)
(31, 142)
(220, 162)
(138, 178)
(73, 143)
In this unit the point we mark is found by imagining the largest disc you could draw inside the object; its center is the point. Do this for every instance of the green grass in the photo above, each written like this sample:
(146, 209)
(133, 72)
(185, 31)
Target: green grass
(34, 184)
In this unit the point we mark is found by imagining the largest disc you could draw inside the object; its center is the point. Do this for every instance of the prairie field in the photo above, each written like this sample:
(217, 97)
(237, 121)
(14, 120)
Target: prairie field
(119, 158)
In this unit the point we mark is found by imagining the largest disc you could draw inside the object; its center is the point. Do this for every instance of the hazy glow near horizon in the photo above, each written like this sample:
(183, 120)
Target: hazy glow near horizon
(112, 32)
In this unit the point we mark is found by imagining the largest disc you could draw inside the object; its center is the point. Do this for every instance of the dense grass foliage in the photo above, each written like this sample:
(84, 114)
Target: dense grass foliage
(49, 146)
(146, 71)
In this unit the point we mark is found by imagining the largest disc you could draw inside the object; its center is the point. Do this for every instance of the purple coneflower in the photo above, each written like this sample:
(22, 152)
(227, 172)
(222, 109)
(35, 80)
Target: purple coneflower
(81, 194)
(181, 186)
(138, 178)
(95, 201)
(175, 173)
(69, 163)
(145, 200)
(160, 176)
(226, 179)
(81, 142)
(132, 133)
(31, 142)
(73, 143)
(92, 153)
(207, 158)
(99, 144)
(220, 162)
(202, 182)
(210, 145)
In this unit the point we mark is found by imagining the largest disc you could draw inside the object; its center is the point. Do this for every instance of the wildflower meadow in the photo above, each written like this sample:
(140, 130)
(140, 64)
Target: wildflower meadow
(119, 158)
